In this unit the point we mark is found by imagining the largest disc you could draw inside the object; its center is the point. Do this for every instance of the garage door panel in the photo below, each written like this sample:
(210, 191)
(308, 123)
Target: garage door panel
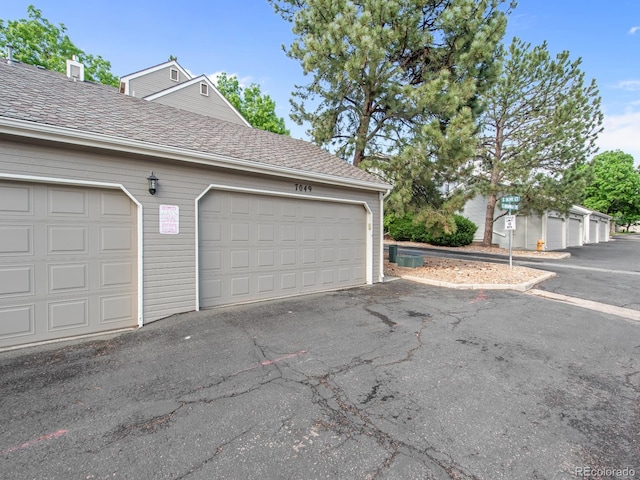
(116, 205)
(313, 245)
(16, 321)
(16, 240)
(68, 277)
(289, 281)
(16, 200)
(65, 315)
(288, 233)
(240, 259)
(117, 274)
(115, 239)
(210, 231)
(239, 205)
(266, 283)
(68, 239)
(309, 279)
(266, 233)
(74, 251)
(67, 202)
(17, 281)
(240, 286)
(289, 257)
(118, 308)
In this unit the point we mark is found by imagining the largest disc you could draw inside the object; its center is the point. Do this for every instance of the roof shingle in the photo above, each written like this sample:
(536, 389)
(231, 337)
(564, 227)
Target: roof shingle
(33, 94)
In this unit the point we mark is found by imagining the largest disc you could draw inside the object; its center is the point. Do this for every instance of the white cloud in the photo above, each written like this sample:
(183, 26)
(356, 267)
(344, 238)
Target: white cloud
(621, 132)
(633, 30)
(631, 85)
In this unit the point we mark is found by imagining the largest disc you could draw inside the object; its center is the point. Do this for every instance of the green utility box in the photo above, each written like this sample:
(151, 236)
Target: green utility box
(410, 261)
(393, 253)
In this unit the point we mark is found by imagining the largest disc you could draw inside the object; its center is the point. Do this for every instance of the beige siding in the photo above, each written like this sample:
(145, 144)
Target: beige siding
(190, 99)
(169, 260)
(153, 82)
(475, 210)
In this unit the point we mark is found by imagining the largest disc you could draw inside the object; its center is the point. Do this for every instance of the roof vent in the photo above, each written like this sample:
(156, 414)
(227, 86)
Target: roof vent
(9, 54)
(75, 69)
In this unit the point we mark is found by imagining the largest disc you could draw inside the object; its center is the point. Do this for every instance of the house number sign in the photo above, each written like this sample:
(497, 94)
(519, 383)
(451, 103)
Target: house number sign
(299, 187)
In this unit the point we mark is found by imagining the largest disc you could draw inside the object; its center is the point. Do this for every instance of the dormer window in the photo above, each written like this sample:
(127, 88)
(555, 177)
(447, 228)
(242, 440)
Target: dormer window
(204, 89)
(174, 74)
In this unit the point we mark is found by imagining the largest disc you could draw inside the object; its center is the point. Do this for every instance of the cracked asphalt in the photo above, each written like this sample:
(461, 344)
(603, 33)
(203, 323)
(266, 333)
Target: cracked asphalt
(390, 381)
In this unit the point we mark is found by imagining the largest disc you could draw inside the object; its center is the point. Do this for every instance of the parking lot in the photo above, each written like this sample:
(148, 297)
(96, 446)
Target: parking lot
(391, 381)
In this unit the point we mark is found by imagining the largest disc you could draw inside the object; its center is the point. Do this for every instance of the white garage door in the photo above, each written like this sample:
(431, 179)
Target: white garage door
(254, 247)
(555, 230)
(604, 232)
(593, 231)
(574, 232)
(68, 262)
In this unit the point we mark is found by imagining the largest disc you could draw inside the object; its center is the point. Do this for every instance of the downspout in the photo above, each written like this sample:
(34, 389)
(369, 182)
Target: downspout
(382, 198)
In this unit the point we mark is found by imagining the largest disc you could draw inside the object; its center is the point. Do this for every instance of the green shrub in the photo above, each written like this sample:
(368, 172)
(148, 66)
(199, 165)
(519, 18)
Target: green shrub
(404, 229)
(463, 235)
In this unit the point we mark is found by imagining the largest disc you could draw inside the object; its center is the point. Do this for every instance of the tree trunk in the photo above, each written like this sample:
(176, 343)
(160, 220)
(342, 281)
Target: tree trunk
(488, 220)
(493, 186)
(362, 132)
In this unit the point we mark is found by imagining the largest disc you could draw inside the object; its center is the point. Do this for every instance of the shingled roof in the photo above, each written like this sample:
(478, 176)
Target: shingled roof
(35, 95)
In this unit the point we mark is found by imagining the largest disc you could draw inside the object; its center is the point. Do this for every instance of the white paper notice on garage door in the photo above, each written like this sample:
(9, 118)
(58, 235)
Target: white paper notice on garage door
(169, 219)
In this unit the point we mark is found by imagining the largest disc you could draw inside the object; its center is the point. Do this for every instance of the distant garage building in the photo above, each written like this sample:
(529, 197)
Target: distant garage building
(556, 230)
(239, 214)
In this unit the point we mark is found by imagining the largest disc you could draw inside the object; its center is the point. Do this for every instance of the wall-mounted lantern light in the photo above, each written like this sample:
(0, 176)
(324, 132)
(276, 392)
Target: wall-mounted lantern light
(153, 183)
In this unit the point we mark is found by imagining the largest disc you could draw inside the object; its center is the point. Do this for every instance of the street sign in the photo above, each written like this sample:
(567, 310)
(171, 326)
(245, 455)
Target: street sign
(510, 199)
(510, 222)
(509, 206)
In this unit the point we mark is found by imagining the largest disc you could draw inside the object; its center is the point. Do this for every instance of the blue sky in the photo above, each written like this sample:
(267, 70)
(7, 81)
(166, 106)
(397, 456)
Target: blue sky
(244, 37)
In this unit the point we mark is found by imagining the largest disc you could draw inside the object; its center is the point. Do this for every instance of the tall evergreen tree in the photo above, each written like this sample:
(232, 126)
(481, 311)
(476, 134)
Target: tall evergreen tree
(395, 84)
(539, 128)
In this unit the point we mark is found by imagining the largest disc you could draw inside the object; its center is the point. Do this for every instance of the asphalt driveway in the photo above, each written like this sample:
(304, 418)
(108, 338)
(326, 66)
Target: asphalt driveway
(390, 381)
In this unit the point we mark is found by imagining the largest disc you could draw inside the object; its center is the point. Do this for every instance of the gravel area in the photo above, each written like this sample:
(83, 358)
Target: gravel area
(469, 271)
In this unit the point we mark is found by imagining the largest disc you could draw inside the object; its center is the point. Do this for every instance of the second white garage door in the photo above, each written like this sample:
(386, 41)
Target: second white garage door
(555, 233)
(254, 247)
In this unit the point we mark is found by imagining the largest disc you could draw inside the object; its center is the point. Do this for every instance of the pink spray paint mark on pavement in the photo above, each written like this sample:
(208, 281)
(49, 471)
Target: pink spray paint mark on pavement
(479, 298)
(266, 363)
(31, 443)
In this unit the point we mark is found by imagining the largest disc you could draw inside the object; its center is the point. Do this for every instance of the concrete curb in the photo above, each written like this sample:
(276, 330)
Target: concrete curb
(520, 287)
(623, 312)
(517, 254)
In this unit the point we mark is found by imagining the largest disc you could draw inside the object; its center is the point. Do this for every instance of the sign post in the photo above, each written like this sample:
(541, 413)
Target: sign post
(510, 203)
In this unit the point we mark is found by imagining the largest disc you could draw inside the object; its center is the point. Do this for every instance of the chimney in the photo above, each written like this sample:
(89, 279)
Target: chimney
(9, 54)
(75, 69)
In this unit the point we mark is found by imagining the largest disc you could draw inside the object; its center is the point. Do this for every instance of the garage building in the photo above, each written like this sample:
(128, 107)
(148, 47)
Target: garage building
(238, 214)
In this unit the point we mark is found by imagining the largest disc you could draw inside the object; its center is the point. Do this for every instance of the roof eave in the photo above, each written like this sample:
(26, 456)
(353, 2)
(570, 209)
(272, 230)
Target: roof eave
(52, 133)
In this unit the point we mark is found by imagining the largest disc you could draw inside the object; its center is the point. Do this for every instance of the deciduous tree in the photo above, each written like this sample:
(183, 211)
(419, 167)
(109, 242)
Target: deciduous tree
(540, 126)
(615, 188)
(259, 109)
(37, 41)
